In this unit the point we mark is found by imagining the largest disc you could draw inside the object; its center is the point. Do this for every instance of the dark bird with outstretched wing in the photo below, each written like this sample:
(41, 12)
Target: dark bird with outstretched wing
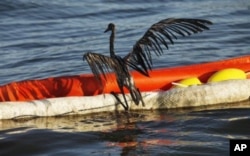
(139, 58)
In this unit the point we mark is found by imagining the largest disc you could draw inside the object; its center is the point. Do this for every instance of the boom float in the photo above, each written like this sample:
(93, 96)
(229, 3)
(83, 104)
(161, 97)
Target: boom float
(82, 94)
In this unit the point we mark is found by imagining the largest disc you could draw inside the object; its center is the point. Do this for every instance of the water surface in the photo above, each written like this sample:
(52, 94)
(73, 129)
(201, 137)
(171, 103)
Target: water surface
(41, 39)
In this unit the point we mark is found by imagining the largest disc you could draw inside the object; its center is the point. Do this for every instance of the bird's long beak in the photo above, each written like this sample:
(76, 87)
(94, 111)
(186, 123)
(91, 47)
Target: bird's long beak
(106, 30)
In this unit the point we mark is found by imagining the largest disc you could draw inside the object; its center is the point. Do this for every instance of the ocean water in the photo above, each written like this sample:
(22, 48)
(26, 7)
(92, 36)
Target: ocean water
(40, 39)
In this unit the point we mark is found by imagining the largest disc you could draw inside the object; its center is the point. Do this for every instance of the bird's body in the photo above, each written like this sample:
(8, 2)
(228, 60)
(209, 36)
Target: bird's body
(120, 67)
(124, 79)
(140, 58)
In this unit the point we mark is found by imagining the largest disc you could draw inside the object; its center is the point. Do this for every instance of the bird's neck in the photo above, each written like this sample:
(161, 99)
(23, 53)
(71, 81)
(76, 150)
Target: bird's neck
(111, 43)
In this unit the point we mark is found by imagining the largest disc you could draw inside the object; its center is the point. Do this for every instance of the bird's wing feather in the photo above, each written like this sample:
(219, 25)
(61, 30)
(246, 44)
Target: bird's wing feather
(163, 33)
(99, 64)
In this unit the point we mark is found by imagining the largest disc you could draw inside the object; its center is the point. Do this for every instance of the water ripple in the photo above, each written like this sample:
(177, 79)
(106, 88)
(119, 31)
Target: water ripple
(41, 39)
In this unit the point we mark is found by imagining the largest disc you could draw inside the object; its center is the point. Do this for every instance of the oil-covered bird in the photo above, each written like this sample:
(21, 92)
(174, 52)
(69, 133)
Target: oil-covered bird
(102, 64)
(159, 35)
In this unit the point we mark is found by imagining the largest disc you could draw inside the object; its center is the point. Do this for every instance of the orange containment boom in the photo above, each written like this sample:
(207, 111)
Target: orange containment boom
(87, 85)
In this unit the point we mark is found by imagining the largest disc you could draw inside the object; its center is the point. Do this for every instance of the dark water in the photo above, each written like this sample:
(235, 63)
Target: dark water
(47, 38)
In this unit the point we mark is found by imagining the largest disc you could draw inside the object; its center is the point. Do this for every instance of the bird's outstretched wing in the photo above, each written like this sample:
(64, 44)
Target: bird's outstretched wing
(101, 64)
(163, 33)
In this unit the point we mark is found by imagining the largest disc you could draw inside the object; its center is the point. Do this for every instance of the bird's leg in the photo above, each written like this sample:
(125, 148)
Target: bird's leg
(134, 92)
(123, 94)
(143, 104)
(134, 95)
(119, 100)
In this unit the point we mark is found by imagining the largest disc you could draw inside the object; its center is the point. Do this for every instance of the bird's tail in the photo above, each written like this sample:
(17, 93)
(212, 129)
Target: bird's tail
(136, 95)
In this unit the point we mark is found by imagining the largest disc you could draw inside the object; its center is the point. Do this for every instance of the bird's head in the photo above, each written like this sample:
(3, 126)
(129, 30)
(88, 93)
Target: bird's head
(110, 27)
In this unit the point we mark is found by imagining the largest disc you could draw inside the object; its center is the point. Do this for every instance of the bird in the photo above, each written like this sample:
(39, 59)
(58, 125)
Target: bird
(120, 67)
(139, 58)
